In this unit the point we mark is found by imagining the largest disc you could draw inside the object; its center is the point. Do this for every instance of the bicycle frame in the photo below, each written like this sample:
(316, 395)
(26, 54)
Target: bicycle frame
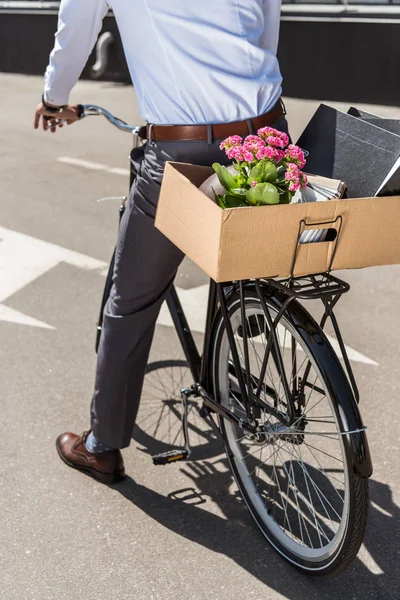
(329, 293)
(232, 323)
(199, 365)
(323, 286)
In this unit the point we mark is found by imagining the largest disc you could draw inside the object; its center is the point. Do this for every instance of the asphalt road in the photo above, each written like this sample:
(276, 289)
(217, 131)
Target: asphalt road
(176, 532)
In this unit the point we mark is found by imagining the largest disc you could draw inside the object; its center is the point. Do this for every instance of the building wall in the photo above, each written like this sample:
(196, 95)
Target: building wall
(26, 40)
(321, 57)
(340, 61)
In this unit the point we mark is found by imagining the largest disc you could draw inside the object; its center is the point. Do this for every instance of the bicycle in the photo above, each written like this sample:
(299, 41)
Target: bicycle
(275, 393)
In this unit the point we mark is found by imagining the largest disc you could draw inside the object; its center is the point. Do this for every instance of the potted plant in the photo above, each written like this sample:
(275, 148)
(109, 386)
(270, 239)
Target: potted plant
(265, 170)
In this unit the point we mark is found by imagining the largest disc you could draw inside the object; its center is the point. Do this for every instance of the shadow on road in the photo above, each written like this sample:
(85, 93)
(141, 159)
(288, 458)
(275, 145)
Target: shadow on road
(236, 537)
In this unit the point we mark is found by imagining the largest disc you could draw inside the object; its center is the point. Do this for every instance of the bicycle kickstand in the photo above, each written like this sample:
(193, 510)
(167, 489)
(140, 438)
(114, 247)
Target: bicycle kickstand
(177, 454)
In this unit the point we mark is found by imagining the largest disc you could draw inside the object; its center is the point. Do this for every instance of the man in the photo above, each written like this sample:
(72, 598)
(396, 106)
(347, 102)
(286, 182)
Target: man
(206, 69)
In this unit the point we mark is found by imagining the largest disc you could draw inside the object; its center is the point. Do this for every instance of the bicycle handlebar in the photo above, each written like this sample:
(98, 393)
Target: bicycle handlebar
(93, 110)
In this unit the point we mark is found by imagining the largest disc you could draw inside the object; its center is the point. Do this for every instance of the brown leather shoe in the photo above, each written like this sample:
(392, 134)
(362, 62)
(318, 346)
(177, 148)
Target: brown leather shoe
(107, 467)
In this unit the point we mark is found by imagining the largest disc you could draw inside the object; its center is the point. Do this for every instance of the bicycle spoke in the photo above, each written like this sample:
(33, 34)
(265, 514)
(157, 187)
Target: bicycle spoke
(323, 452)
(296, 496)
(301, 484)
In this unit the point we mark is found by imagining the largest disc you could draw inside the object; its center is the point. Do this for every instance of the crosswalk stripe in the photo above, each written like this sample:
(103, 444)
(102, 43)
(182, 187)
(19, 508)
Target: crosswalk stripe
(92, 166)
(23, 259)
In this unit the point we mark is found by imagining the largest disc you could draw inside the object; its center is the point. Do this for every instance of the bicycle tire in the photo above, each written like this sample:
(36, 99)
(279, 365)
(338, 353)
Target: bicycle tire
(328, 366)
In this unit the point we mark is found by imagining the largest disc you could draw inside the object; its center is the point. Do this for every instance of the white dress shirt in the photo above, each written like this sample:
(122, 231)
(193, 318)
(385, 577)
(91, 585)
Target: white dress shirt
(191, 61)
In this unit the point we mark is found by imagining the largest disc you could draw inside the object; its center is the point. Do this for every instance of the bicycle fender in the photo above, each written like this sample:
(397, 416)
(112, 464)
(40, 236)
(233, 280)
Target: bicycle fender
(347, 410)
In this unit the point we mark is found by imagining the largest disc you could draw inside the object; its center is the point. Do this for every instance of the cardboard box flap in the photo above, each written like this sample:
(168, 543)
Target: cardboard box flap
(196, 174)
(187, 217)
(255, 242)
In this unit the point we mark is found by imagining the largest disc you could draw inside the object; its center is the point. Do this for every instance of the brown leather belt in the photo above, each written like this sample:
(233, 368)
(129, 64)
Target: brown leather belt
(170, 133)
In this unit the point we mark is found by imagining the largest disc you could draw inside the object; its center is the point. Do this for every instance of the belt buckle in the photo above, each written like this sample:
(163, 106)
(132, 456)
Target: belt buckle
(138, 139)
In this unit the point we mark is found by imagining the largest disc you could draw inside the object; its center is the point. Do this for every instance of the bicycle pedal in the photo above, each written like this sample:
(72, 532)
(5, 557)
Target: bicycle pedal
(169, 457)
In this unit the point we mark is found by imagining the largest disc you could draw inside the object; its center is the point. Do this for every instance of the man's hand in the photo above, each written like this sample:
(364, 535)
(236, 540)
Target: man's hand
(69, 114)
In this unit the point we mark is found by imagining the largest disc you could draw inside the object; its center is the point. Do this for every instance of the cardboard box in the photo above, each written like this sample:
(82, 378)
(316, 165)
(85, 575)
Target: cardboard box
(255, 242)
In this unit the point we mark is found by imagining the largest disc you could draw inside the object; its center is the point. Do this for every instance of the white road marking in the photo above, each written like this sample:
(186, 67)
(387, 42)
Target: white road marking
(194, 302)
(15, 316)
(23, 259)
(92, 166)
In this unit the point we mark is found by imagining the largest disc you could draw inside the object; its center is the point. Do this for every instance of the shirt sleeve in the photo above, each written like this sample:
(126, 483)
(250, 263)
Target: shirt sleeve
(79, 24)
(272, 16)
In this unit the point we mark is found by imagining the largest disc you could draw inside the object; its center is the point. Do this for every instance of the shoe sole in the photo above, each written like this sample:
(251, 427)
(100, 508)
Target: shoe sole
(106, 478)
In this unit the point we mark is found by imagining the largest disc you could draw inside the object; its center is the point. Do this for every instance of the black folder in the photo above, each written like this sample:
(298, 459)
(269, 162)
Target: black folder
(342, 146)
(392, 125)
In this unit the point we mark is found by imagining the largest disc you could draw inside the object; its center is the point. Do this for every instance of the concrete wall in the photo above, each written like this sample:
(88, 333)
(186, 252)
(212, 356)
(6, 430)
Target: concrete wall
(27, 39)
(334, 60)
(356, 61)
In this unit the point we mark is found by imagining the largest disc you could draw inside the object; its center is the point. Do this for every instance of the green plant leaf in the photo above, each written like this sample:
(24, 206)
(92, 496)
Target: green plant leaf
(227, 180)
(285, 198)
(241, 180)
(256, 173)
(220, 200)
(261, 194)
(270, 172)
(233, 201)
(264, 171)
(239, 192)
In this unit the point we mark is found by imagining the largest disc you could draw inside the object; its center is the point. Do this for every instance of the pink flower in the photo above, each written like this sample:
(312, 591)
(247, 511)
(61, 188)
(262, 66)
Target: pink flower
(303, 179)
(295, 177)
(254, 144)
(239, 153)
(270, 153)
(285, 138)
(294, 154)
(230, 142)
(277, 142)
(248, 156)
(253, 184)
(235, 153)
(292, 170)
(274, 137)
(265, 132)
(260, 154)
(254, 139)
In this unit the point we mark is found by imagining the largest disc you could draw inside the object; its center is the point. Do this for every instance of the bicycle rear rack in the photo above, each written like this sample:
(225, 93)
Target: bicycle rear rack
(328, 289)
(324, 286)
(311, 287)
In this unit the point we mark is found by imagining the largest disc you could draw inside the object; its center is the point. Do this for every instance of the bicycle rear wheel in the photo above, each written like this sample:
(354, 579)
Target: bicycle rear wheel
(297, 482)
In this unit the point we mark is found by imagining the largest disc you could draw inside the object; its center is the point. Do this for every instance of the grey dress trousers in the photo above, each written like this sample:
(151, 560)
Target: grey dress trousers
(145, 267)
